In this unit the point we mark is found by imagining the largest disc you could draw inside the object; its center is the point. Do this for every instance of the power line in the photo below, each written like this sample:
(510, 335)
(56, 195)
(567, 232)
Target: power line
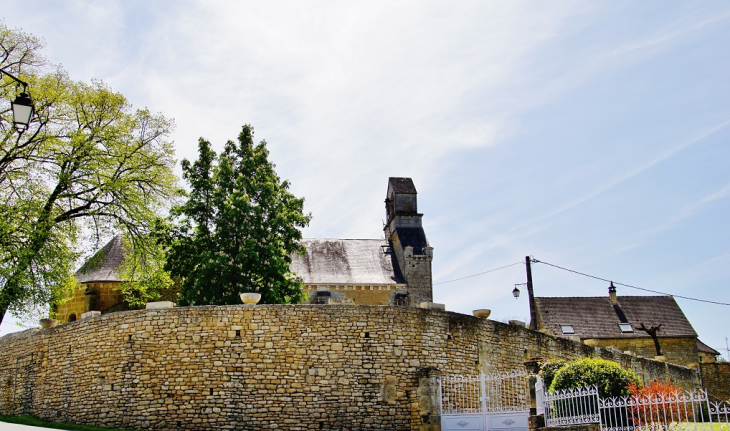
(481, 273)
(628, 285)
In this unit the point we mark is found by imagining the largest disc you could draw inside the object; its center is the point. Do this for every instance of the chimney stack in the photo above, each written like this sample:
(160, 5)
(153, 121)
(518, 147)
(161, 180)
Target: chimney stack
(612, 294)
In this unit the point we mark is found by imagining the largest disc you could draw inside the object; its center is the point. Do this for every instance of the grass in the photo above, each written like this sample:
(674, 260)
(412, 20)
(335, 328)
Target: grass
(33, 421)
(692, 426)
(704, 426)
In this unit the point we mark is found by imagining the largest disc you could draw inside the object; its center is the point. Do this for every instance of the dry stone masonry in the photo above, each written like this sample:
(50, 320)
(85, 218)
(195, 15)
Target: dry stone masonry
(292, 367)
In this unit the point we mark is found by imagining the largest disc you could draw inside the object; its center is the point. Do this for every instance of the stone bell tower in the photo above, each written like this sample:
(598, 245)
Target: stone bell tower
(404, 233)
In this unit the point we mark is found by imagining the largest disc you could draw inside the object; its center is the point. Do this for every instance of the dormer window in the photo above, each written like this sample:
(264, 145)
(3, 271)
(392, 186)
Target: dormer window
(567, 329)
(626, 328)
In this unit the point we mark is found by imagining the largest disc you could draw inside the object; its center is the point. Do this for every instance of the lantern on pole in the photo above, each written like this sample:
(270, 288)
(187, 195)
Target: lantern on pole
(22, 106)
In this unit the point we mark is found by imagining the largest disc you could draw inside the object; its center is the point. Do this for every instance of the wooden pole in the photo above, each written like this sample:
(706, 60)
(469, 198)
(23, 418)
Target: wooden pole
(530, 294)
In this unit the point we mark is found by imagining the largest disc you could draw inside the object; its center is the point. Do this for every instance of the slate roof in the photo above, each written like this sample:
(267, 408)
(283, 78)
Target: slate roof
(595, 317)
(402, 185)
(346, 261)
(412, 236)
(102, 267)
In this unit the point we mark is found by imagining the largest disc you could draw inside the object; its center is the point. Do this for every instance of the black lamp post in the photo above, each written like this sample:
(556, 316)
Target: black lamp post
(22, 106)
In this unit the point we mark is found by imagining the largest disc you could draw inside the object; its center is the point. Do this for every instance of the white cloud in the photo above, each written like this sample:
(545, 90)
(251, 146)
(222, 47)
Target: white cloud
(459, 96)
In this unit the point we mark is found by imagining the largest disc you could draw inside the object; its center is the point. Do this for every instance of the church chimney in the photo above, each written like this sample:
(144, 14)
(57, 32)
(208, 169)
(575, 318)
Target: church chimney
(612, 294)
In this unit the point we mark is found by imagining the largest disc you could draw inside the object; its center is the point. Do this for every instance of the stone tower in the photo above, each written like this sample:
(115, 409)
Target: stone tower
(407, 240)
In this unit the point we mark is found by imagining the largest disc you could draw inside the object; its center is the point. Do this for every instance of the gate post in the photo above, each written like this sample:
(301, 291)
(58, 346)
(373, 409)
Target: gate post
(533, 368)
(429, 398)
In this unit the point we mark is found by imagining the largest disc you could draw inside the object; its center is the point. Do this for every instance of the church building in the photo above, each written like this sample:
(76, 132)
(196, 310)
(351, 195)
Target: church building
(394, 271)
(391, 271)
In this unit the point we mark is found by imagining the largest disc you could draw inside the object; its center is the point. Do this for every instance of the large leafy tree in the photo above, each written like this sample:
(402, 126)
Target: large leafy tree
(88, 165)
(238, 228)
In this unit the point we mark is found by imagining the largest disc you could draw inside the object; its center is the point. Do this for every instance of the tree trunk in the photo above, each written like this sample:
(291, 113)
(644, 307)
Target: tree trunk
(656, 344)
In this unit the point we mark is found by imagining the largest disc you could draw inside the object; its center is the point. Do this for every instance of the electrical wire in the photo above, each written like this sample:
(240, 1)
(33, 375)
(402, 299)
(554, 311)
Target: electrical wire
(481, 273)
(627, 285)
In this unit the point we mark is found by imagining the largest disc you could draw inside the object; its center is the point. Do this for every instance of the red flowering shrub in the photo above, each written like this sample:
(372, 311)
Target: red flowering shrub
(657, 403)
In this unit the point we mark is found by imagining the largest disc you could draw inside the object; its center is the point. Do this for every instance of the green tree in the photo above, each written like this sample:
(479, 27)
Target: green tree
(238, 228)
(88, 165)
(144, 275)
(611, 379)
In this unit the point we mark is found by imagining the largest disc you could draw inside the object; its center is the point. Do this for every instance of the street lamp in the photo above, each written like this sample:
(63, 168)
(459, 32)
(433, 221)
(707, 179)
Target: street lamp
(22, 106)
(22, 111)
(516, 290)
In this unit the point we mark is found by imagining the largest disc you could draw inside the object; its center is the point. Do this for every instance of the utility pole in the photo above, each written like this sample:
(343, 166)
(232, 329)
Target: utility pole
(531, 295)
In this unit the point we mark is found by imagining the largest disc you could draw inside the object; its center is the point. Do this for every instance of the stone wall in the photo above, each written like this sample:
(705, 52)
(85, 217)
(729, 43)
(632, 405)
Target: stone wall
(678, 350)
(716, 378)
(266, 367)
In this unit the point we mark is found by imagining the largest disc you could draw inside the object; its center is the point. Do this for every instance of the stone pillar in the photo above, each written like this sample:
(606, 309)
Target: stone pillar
(429, 399)
(534, 421)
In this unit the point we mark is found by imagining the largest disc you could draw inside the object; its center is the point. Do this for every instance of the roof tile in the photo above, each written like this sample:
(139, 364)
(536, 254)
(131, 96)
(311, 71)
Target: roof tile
(595, 317)
(346, 261)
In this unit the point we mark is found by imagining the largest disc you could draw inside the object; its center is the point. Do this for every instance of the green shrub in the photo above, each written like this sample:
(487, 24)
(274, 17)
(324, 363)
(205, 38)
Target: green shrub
(611, 379)
(549, 368)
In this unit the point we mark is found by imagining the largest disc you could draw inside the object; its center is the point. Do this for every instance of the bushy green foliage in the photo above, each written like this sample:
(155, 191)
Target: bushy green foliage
(238, 228)
(549, 368)
(144, 275)
(611, 379)
(89, 165)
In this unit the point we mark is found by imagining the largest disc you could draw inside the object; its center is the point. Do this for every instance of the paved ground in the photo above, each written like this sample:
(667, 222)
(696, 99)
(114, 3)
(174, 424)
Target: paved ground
(4, 426)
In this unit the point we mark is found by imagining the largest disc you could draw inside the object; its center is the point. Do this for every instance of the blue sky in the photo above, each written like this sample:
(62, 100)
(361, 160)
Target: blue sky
(591, 135)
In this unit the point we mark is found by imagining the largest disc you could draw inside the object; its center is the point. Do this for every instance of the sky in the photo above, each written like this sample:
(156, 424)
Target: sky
(588, 135)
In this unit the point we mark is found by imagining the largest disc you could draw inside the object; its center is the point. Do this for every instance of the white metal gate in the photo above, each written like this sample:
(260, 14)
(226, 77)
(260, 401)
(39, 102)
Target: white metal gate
(487, 402)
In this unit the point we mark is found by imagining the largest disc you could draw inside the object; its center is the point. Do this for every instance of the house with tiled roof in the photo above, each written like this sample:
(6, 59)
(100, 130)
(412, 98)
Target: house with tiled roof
(616, 321)
(394, 270)
(706, 353)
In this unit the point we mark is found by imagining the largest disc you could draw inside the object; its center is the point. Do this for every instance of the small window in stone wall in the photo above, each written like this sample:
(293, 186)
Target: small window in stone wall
(322, 297)
(72, 318)
(567, 329)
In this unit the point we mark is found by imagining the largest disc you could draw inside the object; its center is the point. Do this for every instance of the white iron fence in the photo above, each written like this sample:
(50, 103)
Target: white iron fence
(572, 406)
(683, 410)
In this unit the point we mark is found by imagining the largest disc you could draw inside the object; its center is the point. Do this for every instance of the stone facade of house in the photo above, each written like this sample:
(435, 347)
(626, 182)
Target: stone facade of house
(677, 350)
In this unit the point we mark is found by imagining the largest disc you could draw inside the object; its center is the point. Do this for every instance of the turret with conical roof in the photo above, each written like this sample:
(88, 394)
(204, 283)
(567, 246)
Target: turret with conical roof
(98, 284)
